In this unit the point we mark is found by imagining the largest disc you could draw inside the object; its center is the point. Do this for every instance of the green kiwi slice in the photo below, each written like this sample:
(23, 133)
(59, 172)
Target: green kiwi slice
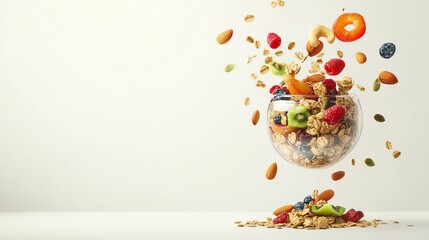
(327, 210)
(297, 117)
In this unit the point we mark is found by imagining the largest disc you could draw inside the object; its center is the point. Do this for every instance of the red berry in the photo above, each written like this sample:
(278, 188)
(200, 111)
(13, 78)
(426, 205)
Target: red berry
(334, 66)
(352, 215)
(286, 90)
(329, 84)
(281, 218)
(274, 88)
(334, 114)
(274, 40)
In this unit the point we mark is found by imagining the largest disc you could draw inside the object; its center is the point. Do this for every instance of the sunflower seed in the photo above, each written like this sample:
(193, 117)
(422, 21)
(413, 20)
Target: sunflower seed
(379, 118)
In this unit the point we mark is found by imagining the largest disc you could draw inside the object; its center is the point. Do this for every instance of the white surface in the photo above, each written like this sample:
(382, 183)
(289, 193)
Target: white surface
(197, 225)
(124, 105)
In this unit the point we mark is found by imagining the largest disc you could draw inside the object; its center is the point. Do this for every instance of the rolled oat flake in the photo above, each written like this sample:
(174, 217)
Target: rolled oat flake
(369, 162)
(379, 118)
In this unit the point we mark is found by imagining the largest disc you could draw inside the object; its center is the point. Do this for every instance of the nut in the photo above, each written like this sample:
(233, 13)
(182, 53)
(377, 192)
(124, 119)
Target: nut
(224, 37)
(315, 78)
(387, 77)
(360, 57)
(282, 209)
(312, 51)
(271, 171)
(337, 175)
(255, 117)
(325, 195)
(320, 31)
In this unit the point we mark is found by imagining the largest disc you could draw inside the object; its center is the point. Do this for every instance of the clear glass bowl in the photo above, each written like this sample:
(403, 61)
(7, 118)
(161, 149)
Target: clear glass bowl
(300, 134)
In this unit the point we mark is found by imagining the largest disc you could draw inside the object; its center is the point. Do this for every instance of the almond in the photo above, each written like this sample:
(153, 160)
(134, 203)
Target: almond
(271, 171)
(225, 36)
(325, 195)
(337, 175)
(313, 51)
(282, 209)
(387, 77)
(360, 57)
(255, 117)
(315, 78)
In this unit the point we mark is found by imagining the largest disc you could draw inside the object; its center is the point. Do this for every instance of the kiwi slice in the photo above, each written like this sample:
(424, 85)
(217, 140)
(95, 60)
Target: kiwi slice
(297, 117)
(327, 210)
(277, 68)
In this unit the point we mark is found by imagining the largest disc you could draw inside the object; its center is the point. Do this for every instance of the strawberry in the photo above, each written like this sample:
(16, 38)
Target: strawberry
(334, 66)
(274, 40)
(274, 88)
(352, 215)
(334, 114)
(281, 218)
(329, 84)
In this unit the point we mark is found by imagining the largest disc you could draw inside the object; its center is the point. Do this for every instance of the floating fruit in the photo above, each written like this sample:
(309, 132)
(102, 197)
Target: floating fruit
(387, 50)
(274, 40)
(277, 68)
(352, 215)
(281, 129)
(297, 117)
(308, 199)
(334, 66)
(327, 210)
(346, 19)
(302, 87)
(282, 218)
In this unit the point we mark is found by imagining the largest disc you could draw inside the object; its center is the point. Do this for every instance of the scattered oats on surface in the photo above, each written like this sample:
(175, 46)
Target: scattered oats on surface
(396, 154)
(410, 225)
(395, 221)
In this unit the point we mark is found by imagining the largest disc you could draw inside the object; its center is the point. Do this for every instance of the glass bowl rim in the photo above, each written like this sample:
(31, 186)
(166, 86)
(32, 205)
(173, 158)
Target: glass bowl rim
(353, 95)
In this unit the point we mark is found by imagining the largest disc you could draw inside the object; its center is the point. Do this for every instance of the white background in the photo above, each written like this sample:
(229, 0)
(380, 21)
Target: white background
(124, 105)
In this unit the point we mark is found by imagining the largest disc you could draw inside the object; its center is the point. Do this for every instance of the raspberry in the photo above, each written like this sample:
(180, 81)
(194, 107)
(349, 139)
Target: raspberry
(334, 66)
(281, 218)
(274, 88)
(334, 114)
(274, 40)
(329, 84)
(352, 215)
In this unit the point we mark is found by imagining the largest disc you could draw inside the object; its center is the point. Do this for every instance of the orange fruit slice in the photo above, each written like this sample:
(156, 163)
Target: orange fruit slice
(302, 87)
(281, 129)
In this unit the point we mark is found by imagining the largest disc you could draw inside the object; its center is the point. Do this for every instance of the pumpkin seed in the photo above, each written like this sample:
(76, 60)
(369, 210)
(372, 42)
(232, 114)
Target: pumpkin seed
(379, 118)
(376, 85)
(229, 67)
(369, 162)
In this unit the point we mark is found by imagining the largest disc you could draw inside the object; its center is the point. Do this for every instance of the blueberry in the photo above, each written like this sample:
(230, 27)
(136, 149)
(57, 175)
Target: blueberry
(308, 199)
(299, 206)
(387, 50)
(305, 150)
(278, 119)
(303, 136)
(280, 92)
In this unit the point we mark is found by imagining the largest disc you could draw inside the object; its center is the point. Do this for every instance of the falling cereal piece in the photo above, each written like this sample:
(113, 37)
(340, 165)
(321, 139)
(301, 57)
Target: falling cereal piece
(396, 154)
(247, 101)
(229, 67)
(388, 145)
(379, 118)
(261, 84)
(281, 3)
(338, 175)
(340, 54)
(360, 87)
(254, 76)
(266, 52)
(410, 225)
(268, 59)
(249, 18)
(257, 44)
(273, 4)
(250, 39)
(353, 161)
(291, 45)
(264, 69)
(249, 59)
(369, 162)
(279, 53)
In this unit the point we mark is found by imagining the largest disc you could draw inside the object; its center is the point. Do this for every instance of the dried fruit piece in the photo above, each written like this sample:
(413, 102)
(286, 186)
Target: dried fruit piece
(274, 40)
(271, 171)
(360, 57)
(352, 215)
(325, 195)
(225, 36)
(379, 118)
(282, 218)
(376, 85)
(387, 77)
(281, 129)
(388, 145)
(338, 175)
(283, 209)
(255, 117)
(229, 67)
(249, 18)
(387, 50)
(341, 25)
(369, 162)
(396, 154)
(334, 66)
(334, 114)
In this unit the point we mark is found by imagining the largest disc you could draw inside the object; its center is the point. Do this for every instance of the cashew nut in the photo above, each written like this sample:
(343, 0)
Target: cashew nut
(320, 31)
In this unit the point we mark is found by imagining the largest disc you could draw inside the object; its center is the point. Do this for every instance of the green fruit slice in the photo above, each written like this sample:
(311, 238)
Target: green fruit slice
(327, 210)
(277, 69)
(297, 117)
